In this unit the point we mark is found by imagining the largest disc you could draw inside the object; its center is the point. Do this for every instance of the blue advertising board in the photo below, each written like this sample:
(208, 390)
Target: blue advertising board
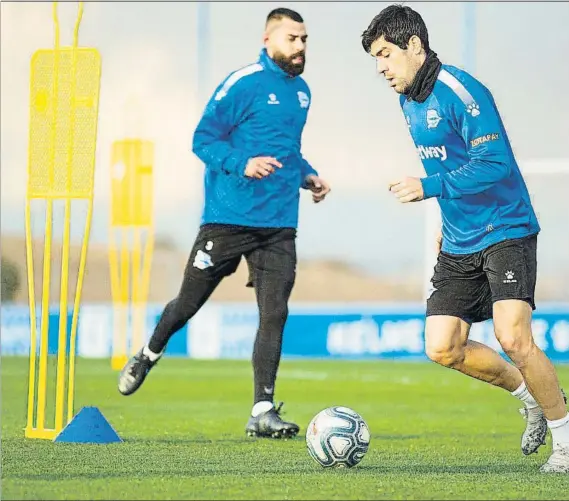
(227, 331)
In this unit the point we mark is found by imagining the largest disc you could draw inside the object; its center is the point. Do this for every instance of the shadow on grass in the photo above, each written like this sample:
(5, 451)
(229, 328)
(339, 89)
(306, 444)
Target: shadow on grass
(214, 441)
(454, 469)
(401, 470)
(396, 437)
(243, 440)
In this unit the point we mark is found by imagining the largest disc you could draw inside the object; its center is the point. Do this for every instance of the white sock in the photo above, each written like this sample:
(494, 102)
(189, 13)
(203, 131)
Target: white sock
(525, 396)
(560, 431)
(261, 407)
(150, 354)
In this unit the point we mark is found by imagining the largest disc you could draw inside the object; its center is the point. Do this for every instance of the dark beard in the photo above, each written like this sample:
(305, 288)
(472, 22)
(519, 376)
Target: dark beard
(286, 64)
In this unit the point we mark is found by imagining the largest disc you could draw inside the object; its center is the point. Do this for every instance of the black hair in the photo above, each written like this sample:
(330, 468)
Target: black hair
(397, 24)
(283, 12)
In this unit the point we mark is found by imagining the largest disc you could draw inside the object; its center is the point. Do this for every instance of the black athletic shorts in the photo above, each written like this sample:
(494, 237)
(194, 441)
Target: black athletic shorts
(218, 250)
(467, 286)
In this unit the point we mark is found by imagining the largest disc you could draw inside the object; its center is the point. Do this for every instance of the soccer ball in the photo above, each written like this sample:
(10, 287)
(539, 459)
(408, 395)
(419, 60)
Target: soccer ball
(337, 437)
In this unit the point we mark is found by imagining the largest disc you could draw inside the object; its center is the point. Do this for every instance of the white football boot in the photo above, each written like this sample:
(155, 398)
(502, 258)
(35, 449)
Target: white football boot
(558, 462)
(536, 429)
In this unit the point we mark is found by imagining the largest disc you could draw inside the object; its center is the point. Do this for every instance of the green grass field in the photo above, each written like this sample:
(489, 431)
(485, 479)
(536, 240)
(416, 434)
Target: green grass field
(435, 435)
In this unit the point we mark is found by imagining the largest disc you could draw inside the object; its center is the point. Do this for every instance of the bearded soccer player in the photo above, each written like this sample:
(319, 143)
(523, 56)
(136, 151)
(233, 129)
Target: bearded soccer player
(249, 139)
(486, 267)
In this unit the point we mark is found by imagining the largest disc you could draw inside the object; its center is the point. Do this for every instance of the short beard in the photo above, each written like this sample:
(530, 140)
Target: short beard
(405, 90)
(410, 84)
(286, 64)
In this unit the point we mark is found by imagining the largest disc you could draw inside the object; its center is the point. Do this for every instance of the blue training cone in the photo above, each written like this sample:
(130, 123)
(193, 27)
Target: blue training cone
(89, 426)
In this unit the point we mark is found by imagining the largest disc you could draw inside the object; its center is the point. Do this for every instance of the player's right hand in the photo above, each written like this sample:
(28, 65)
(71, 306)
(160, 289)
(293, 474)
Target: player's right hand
(439, 241)
(260, 167)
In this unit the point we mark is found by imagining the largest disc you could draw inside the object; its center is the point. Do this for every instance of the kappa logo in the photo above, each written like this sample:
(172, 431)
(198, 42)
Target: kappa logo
(273, 99)
(303, 99)
(473, 109)
(427, 152)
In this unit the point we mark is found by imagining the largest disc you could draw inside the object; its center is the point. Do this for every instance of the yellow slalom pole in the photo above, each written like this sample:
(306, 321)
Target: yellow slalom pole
(114, 268)
(131, 214)
(62, 342)
(42, 380)
(145, 282)
(125, 293)
(84, 246)
(64, 101)
(119, 252)
(136, 300)
(46, 281)
(136, 306)
(33, 324)
(73, 340)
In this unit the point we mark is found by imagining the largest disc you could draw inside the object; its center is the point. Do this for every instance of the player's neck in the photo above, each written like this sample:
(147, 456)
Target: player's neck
(425, 78)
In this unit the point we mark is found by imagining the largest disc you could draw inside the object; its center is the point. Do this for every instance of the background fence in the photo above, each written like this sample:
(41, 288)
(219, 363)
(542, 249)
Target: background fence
(227, 331)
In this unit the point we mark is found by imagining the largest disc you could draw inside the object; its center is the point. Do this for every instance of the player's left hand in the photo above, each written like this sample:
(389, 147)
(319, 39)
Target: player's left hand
(408, 189)
(318, 187)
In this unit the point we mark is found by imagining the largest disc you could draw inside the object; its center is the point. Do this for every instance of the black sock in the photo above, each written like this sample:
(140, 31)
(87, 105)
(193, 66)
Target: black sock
(272, 272)
(267, 354)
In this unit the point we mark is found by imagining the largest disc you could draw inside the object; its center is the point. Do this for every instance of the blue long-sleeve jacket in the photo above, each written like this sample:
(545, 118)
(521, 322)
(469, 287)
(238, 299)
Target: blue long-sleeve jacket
(258, 110)
(469, 163)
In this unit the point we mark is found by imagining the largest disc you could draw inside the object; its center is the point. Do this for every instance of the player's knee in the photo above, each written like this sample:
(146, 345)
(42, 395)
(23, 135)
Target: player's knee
(517, 343)
(273, 318)
(444, 352)
(512, 326)
(444, 341)
(447, 356)
(183, 310)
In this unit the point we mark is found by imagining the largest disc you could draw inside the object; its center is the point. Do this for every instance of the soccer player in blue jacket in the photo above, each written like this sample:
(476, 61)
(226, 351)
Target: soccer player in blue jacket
(486, 266)
(249, 139)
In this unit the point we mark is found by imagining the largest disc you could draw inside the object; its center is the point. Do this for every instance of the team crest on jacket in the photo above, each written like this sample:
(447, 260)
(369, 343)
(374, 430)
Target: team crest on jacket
(433, 119)
(303, 99)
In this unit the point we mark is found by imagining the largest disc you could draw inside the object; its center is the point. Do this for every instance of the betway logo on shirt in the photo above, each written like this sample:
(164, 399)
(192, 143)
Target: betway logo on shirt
(426, 152)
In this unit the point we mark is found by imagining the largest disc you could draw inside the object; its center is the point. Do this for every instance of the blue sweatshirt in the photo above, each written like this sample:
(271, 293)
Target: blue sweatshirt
(469, 163)
(258, 110)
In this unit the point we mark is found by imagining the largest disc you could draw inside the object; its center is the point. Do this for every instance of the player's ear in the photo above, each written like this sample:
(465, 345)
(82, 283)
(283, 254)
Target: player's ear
(270, 28)
(415, 45)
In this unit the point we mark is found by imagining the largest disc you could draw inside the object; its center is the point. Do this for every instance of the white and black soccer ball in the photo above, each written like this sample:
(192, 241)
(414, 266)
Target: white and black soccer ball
(337, 437)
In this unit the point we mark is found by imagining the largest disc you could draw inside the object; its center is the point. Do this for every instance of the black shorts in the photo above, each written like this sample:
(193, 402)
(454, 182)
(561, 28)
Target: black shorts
(218, 249)
(467, 286)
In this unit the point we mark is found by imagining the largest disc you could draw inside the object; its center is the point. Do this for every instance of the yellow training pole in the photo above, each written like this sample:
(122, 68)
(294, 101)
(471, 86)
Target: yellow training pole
(131, 216)
(64, 105)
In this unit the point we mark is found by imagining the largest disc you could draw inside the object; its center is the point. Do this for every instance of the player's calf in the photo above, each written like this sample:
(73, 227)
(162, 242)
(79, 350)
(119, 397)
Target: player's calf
(512, 325)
